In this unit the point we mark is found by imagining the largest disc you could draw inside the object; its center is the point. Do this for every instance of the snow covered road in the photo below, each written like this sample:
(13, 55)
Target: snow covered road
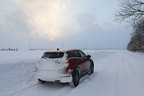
(117, 73)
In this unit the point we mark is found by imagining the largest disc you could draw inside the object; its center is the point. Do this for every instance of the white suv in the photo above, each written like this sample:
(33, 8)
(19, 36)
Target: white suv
(66, 66)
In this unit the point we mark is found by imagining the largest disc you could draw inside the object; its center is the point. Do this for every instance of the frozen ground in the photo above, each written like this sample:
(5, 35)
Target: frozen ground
(117, 73)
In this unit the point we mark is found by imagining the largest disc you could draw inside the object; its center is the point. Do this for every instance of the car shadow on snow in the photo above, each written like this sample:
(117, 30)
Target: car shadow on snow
(87, 78)
(54, 84)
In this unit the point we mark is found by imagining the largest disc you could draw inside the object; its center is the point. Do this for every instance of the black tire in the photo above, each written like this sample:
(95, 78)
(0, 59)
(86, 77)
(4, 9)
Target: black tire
(91, 70)
(75, 78)
(41, 81)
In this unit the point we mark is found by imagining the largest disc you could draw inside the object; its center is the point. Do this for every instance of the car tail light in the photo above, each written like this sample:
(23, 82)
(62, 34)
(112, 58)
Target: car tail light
(68, 60)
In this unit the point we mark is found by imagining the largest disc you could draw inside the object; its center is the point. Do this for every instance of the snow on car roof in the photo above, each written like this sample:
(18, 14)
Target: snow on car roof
(61, 50)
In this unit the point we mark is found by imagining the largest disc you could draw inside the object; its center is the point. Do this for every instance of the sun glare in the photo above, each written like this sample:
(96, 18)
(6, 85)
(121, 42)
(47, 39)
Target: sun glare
(45, 17)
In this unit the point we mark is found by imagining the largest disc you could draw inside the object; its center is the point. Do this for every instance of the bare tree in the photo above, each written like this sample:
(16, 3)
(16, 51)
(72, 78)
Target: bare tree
(130, 11)
(136, 43)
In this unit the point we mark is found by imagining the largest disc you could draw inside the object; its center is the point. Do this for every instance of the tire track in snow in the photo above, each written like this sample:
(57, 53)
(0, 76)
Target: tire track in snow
(23, 90)
(129, 82)
(137, 72)
(46, 89)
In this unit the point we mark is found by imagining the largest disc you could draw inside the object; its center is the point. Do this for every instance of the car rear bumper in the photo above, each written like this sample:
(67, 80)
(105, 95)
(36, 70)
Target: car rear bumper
(53, 76)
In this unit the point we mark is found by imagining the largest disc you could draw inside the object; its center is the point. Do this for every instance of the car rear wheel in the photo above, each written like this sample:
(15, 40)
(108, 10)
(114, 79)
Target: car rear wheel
(91, 70)
(75, 78)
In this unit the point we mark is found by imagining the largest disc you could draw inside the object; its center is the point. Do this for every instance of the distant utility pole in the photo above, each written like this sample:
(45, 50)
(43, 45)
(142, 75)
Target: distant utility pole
(62, 44)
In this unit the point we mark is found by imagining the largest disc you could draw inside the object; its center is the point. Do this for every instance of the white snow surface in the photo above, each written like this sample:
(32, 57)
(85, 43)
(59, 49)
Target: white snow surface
(117, 73)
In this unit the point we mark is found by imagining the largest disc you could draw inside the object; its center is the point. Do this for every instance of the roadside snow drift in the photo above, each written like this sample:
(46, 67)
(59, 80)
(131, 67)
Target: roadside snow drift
(117, 73)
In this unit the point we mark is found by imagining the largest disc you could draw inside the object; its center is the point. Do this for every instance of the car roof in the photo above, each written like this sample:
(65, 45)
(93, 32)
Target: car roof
(62, 50)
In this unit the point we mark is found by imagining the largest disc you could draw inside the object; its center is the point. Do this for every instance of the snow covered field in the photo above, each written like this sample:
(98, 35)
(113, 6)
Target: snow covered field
(117, 73)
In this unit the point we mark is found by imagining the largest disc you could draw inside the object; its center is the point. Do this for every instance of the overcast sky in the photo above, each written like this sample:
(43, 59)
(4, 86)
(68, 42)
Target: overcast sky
(47, 23)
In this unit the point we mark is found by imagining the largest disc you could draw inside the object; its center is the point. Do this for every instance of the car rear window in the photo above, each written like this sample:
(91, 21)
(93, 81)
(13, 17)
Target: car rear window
(73, 54)
(53, 55)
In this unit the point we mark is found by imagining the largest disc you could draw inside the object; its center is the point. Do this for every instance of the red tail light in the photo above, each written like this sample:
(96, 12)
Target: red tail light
(68, 60)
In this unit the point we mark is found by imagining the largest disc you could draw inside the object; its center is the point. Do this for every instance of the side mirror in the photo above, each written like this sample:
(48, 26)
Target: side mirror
(88, 56)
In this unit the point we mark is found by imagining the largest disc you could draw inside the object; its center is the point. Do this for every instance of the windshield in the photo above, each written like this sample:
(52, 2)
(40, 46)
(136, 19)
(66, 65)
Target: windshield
(53, 55)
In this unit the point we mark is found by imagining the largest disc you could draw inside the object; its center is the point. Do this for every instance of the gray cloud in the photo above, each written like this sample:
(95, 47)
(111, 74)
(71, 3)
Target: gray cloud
(48, 18)
(86, 19)
(46, 23)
